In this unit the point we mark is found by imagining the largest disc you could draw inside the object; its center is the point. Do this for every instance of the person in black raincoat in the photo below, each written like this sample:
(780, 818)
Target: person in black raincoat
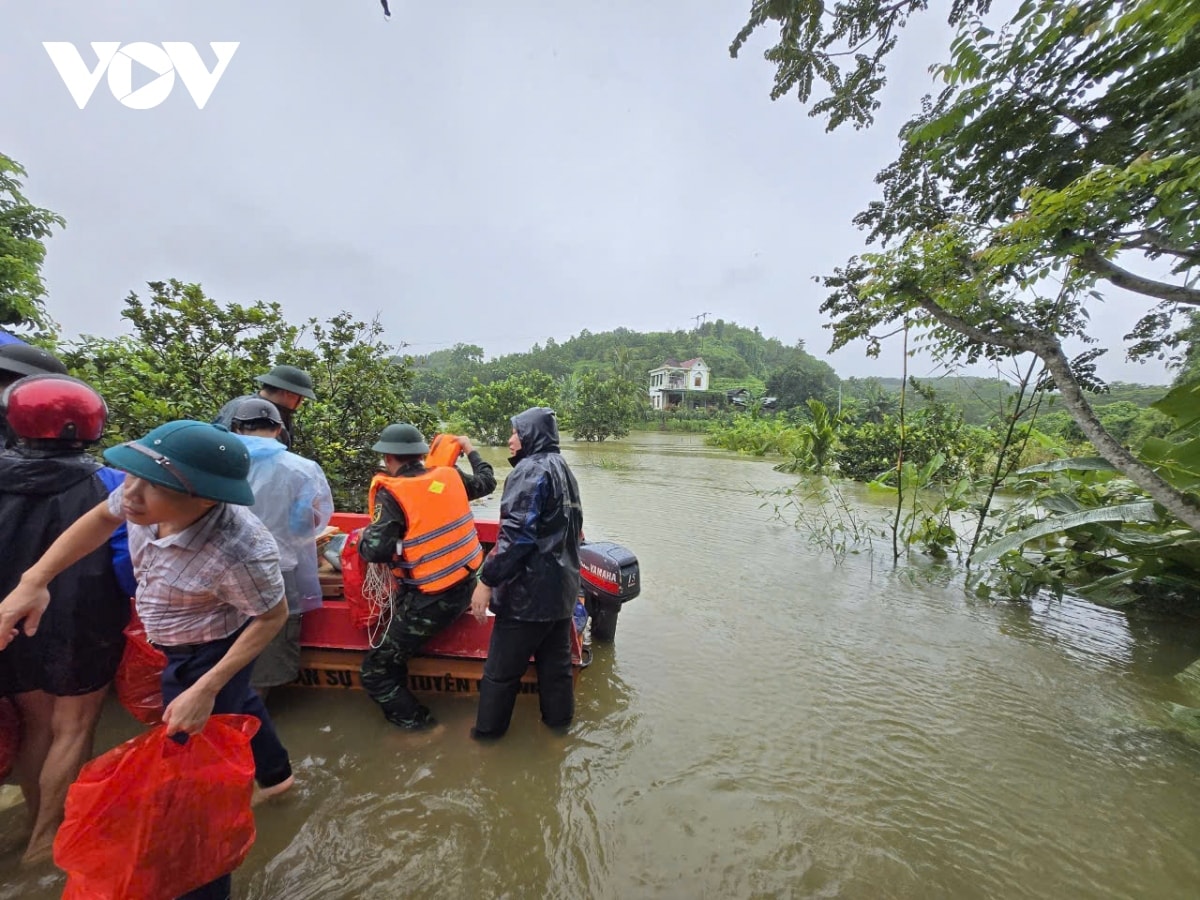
(530, 580)
(17, 360)
(58, 677)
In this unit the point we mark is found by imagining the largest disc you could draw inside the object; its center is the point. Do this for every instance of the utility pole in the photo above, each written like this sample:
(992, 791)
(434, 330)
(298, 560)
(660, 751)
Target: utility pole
(699, 320)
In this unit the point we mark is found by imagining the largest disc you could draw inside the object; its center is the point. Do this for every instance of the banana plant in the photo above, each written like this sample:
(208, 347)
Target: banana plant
(1097, 534)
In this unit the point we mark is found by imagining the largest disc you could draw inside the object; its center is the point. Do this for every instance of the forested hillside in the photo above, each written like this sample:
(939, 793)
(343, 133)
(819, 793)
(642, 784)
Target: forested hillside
(737, 356)
(742, 357)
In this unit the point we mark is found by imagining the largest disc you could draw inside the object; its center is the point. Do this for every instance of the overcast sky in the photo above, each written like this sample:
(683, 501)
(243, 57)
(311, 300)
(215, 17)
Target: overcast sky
(471, 171)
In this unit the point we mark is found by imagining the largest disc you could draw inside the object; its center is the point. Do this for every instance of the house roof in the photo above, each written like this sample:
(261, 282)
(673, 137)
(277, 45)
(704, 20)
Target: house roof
(673, 363)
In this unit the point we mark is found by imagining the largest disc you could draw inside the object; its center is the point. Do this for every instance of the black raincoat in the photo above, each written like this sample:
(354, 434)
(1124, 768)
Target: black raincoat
(79, 641)
(534, 568)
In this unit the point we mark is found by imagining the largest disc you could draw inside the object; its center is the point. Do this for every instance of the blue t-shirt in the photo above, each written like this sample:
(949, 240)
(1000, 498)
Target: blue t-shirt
(119, 543)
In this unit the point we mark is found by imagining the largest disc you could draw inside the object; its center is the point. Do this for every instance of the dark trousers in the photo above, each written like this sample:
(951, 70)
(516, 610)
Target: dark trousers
(415, 619)
(513, 642)
(184, 668)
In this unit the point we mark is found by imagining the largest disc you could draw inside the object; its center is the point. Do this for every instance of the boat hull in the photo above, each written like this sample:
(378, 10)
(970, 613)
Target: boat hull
(332, 647)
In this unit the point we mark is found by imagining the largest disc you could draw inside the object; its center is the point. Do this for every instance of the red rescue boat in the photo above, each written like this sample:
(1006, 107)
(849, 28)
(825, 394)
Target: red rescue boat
(333, 645)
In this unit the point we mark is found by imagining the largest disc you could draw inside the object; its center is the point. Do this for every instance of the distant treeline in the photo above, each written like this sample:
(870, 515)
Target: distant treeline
(741, 357)
(1123, 408)
(737, 356)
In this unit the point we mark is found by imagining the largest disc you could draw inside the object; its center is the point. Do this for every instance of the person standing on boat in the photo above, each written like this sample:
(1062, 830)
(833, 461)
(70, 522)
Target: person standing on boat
(292, 498)
(58, 678)
(422, 526)
(285, 386)
(530, 580)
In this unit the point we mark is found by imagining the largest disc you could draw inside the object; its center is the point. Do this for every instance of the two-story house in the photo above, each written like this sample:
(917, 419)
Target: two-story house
(672, 380)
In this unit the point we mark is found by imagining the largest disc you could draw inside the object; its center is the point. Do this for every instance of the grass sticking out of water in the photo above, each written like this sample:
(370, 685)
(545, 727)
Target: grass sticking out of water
(609, 464)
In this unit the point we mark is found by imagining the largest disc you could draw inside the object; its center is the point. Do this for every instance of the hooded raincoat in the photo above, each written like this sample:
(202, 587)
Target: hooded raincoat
(534, 567)
(292, 498)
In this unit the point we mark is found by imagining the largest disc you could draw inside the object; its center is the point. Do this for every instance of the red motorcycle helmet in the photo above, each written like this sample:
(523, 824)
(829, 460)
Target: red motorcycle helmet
(54, 408)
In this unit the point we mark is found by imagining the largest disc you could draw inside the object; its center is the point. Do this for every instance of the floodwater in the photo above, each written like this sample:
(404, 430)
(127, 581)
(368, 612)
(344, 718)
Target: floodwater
(771, 722)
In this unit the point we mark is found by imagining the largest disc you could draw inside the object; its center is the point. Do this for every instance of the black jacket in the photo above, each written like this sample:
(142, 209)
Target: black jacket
(534, 567)
(40, 497)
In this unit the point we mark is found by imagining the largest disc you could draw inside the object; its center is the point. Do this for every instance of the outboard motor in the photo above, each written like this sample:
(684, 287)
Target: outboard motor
(609, 577)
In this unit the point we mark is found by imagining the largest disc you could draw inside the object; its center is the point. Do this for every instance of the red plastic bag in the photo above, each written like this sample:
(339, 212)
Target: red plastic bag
(154, 819)
(139, 677)
(10, 736)
(354, 570)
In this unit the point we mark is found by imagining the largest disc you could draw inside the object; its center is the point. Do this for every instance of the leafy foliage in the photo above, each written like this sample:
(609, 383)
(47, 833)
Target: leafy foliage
(1093, 533)
(361, 389)
(24, 229)
(801, 382)
(1062, 145)
(841, 45)
(822, 442)
(598, 410)
(817, 442)
(757, 436)
(1078, 524)
(599, 405)
(487, 412)
(189, 354)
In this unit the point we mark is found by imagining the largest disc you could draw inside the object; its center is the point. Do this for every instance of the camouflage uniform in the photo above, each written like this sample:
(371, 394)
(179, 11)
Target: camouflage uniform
(416, 617)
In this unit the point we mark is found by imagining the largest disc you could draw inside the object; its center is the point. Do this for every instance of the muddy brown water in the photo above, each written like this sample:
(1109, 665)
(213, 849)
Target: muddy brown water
(769, 723)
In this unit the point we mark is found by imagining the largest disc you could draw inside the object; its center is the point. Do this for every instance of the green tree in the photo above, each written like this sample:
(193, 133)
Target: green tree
(841, 46)
(188, 354)
(361, 388)
(1064, 147)
(445, 376)
(1189, 362)
(601, 408)
(817, 441)
(801, 381)
(877, 403)
(23, 232)
(488, 409)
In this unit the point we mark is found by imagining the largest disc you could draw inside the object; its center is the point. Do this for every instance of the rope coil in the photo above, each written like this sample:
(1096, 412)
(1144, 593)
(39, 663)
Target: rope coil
(378, 589)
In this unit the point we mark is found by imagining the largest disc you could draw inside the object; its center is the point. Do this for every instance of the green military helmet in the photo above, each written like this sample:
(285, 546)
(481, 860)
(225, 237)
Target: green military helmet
(191, 457)
(289, 378)
(401, 440)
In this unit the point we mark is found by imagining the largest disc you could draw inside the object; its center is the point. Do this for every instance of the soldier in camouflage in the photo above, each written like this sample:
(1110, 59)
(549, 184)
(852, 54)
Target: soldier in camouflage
(422, 527)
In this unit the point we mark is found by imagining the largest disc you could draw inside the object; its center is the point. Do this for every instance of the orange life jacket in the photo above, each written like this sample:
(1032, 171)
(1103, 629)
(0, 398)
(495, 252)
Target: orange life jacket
(444, 450)
(440, 546)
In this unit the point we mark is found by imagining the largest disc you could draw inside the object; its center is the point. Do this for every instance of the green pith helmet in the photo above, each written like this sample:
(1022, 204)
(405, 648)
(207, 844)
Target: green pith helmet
(289, 378)
(191, 457)
(401, 440)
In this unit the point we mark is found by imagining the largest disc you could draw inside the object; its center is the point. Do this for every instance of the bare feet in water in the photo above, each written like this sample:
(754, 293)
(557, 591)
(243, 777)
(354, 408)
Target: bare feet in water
(41, 852)
(266, 793)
